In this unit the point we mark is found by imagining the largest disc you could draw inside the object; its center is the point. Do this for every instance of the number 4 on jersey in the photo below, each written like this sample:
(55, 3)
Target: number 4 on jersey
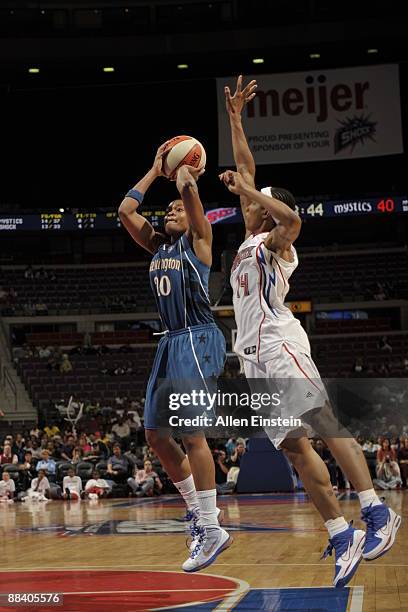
(242, 282)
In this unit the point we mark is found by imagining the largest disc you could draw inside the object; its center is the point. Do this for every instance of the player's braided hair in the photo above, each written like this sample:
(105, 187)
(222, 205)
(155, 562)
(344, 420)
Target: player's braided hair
(284, 196)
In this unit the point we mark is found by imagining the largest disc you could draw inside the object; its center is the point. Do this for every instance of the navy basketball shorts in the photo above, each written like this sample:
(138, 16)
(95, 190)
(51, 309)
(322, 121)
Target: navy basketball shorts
(185, 370)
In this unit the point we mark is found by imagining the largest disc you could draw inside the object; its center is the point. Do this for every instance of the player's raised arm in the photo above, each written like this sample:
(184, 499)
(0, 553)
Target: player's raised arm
(138, 227)
(200, 228)
(243, 157)
(288, 222)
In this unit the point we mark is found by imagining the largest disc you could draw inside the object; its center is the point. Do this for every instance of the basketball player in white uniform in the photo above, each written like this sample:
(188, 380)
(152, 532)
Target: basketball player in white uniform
(275, 347)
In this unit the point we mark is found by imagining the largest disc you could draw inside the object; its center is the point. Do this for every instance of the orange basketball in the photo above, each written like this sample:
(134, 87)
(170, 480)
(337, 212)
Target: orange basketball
(183, 150)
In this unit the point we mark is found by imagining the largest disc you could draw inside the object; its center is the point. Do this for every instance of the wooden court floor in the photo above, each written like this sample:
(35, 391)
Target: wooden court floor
(126, 554)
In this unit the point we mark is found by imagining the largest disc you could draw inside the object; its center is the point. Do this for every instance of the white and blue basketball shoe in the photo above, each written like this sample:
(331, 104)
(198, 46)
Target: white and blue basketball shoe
(191, 520)
(382, 526)
(348, 546)
(208, 544)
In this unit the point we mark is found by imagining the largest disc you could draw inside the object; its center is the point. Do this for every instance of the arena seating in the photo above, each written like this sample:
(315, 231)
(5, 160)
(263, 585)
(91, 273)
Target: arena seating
(83, 290)
(335, 356)
(343, 277)
(66, 339)
(335, 277)
(349, 326)
(86, 380)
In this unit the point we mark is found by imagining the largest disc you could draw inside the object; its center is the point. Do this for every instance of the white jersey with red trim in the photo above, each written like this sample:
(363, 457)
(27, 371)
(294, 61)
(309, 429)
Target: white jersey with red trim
(260, 283)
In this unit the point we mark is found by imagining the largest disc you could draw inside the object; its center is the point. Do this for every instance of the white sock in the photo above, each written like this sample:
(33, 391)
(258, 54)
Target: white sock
(188, 491)
(368, 498)
(335, 526)
(207, 503)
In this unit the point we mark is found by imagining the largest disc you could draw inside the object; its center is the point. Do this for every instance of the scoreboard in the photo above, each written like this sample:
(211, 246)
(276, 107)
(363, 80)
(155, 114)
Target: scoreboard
(53, 222)
(386, 206)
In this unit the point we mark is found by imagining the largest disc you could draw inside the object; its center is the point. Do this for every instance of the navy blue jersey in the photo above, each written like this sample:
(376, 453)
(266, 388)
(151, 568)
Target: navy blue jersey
(179, 281)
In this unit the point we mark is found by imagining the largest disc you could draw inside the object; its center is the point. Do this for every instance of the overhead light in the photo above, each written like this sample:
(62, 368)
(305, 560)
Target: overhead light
(61, 210)
(372, 50)
(258, 60)
(108, 69)
(314, 56)
(182, 66)
(33, 70)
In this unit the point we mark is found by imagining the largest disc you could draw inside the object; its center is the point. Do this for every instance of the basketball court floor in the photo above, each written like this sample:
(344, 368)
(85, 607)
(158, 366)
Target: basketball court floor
(125, 555)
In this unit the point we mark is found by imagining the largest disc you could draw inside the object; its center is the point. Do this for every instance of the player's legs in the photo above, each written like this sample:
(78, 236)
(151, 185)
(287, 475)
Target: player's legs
(171, 456)
(314, 475)
(382, 522)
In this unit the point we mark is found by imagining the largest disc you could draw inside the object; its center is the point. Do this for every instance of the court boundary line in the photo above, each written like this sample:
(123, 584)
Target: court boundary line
(120, 568)
(357, 599)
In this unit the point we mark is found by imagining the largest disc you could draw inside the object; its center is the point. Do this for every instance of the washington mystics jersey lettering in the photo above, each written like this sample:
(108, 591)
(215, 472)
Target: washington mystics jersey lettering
(179, 281)
(260, 283)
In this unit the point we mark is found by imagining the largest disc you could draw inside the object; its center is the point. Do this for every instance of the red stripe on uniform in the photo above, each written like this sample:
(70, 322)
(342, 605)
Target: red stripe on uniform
(300, 368)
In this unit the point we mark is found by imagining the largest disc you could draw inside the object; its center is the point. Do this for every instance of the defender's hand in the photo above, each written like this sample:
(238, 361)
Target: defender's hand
(236, 103)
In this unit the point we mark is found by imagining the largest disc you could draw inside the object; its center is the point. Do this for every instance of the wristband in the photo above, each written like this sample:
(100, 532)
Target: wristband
(135, 194)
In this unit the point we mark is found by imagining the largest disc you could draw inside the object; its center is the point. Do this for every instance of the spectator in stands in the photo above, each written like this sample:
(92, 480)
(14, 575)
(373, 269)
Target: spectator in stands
(235, 459)
(35, 431)
(7, 488)
(358, 366)
(94, 454)
(387, 469)
(27, 470)
(104, 369)
(66, 365)
(18, 447)
(7, 455)
(230, 446)
(71, 486)
(403, 461)
(131, 454)
(44, 352)
(28, 272)
(84, 444)
(97, 487)
(121, 431)
(405, 364)
(118, 465)
(41, 309)
(379, 292)
(35, 449)
(54, 448)
(77, 455)
(40, 488)
(145, 481)
(108, 435)
(384, 345)
(368, 447)
(46, 463)
(68, 448)
(221, 467)
(51, 430)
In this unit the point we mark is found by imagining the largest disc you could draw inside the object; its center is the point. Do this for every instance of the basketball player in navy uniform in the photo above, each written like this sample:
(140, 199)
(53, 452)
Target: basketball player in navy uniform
(274, 346)
(191, 353)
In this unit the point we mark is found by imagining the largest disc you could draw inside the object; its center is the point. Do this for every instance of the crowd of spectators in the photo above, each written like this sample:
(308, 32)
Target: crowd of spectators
(102, 455)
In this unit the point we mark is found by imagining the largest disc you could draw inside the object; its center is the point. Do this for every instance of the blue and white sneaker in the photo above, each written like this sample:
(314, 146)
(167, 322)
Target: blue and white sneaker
(382, 526)
(210, 542)
(191, 519)
(348, 546)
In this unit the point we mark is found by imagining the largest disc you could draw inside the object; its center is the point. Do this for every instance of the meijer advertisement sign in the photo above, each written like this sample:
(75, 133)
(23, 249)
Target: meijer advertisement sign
(318, 115)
